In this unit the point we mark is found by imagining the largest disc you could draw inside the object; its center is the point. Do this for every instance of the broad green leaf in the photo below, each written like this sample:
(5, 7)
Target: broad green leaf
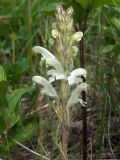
(13, 100)
(2, 74)
(2, 125)
(3, 90)
(83, 3)
(108, 48)
(3, 104)
(24, 131)
(21, 132)
(116, 23)
(98, 3)
(117, 9)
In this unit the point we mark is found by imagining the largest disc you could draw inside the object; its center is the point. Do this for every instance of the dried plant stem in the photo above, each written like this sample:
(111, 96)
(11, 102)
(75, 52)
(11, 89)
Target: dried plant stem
(37, 154)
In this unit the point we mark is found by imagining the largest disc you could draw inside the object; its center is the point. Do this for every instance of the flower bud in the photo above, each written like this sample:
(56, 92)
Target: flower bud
(77, 36)
(69, 11)
(59, 9)
(55, 33)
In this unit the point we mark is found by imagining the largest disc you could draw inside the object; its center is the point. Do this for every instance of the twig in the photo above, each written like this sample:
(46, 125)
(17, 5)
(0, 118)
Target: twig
(109, 141)
(37, 154)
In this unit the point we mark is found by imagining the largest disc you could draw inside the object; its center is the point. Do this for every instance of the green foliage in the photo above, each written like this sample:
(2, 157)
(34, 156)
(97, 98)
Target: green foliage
(83, 3)
(2, 74)
(108, 48)
(10, 117)
(11, 120)
(3, 89)
(12, 111)
(96, 3)
(23, 130)
(15, 71)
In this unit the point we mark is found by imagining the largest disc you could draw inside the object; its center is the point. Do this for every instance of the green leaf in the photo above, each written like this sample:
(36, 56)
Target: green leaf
(2, 74)
(48, 8)
(12, 110)
(108, 48)
(3, 90)
(21, 132)
(83, 3)
(2, 125)
(98, 3)
(24, 131)
(80, 12)
(116, 23)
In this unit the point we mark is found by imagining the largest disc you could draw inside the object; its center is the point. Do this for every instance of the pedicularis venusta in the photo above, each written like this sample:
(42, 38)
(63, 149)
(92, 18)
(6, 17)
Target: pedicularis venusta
(60, 68)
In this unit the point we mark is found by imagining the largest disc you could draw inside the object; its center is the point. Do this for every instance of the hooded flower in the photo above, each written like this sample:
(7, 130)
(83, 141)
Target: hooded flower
(74, 98)
(75, 76)
(44, 52)
(47, 87)
(57, 72)
(77, 36)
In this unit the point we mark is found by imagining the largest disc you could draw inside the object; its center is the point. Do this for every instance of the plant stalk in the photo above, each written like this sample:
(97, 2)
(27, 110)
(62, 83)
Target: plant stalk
(64, 118)
(84, 109)
(29, 27)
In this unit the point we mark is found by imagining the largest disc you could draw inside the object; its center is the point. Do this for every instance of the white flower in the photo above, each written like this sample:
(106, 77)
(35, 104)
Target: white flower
(75, 76)
(55, 33)
(57, 72)
(44, 52)
(75, 95)
(47, 87)
(77, 36)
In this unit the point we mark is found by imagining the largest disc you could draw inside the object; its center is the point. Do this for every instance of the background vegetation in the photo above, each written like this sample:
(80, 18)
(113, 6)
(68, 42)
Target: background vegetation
(23, 116)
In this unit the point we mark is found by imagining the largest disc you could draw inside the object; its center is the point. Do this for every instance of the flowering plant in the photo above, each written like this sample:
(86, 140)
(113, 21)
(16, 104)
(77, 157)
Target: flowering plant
(60, 68)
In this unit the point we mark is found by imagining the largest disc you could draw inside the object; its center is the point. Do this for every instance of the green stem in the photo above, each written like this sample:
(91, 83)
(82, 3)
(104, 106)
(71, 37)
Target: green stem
(13, 51)
(64, 116)
(29, 28)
